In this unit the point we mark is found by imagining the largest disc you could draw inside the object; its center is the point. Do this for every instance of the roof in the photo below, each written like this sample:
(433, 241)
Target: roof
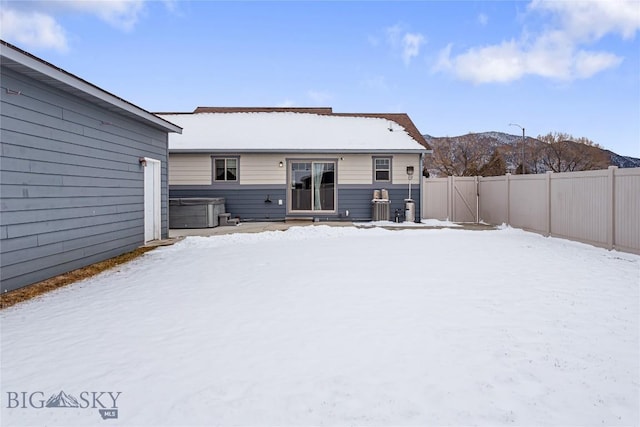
(27, 64)
(267, 129)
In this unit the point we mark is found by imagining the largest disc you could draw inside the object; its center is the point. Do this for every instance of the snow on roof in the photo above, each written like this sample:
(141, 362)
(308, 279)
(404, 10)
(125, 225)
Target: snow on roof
(287, 131)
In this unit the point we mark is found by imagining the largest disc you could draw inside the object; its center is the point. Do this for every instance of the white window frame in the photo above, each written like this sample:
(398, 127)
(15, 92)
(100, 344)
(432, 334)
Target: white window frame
(376, 169)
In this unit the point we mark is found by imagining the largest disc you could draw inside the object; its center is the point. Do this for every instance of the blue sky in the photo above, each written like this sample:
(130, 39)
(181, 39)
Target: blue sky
(455, 67)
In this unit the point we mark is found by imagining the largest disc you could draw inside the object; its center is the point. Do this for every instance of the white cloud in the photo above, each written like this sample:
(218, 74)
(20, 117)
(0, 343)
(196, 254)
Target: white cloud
(484, 65)
(394, 35)
(408, 44)
(483, 19)
(33, 24)
(589, 63)
(508, 62)
(32, 29)
(411, 43)
(122, 14)
(591, 20)
(555, 53)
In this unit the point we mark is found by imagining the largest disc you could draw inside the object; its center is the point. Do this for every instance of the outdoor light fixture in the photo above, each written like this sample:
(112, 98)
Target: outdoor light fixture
(410, 174)
(280, 164)
(142, 161)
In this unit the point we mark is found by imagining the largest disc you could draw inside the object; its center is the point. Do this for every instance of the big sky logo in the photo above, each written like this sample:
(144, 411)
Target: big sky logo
(106, 402)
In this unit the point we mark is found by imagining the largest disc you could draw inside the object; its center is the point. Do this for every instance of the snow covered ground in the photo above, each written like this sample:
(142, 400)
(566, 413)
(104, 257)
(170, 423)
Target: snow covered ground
(335, 327)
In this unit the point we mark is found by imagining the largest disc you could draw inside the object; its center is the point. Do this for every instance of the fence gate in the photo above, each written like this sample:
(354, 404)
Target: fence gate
(453, 198)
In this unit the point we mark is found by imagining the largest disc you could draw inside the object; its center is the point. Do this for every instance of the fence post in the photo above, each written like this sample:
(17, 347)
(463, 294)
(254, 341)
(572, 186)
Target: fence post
(450, 185)
(508, 184)
(611, 200)
(548, 185)
(477, 199)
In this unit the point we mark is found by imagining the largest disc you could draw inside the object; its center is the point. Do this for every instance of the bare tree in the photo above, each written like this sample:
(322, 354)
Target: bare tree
(495, 166)
(564, 153)
(460, 156)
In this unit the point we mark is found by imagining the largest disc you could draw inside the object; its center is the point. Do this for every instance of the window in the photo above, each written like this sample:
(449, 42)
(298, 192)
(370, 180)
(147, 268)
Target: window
(226, 169)
(382, 168)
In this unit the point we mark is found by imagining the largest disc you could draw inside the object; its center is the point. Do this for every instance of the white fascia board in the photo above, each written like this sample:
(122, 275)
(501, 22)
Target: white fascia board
(301, 151)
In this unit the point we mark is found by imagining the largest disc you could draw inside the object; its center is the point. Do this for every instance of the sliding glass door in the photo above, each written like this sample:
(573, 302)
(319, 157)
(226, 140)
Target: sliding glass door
(312, 186)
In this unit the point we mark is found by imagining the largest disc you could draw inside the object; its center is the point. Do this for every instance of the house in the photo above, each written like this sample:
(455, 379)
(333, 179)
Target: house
(83, 172)
(281, 163)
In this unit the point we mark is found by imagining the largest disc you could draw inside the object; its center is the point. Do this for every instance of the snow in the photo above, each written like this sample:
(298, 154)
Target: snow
(285, 131)
(423, 223)
(339, 326)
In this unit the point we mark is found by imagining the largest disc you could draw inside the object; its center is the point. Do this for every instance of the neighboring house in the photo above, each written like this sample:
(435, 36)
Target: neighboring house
(83, 172)
(279, 163)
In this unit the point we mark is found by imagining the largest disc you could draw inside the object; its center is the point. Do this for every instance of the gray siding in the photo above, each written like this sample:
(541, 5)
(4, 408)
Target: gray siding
(71, 185)
(248, 202)
(357, 199)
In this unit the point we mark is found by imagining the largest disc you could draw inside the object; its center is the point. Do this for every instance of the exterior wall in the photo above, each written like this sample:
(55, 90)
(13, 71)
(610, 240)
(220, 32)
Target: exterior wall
(264, 169)
(261, 178)
(71, 183)
(190, 169)
(248, 202)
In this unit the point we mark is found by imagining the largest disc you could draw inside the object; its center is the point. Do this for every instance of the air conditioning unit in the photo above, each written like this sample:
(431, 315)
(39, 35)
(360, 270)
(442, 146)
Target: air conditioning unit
(380, 210)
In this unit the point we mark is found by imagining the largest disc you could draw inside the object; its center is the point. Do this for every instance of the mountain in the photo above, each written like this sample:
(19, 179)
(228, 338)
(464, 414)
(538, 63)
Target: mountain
(62, 400)
(622, 161)
(466, 154)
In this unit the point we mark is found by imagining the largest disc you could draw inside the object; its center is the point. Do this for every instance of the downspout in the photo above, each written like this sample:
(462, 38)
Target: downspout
(420, 189)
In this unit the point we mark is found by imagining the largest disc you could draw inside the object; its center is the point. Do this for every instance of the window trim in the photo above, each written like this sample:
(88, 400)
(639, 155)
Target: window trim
(373, 160)
(225, 182)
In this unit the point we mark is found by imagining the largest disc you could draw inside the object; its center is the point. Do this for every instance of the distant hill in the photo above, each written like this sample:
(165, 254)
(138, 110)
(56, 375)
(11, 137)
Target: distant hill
(509, 146)
(622, 161)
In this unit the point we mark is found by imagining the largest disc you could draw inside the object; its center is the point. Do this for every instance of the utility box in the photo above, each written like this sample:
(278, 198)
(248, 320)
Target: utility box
(380, 210)
(380, 205)
(195, 212)
(409, 210)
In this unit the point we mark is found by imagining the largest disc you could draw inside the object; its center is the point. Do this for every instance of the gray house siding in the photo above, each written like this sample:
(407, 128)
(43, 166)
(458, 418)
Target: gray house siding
(249, 203)
(357, 199)
(71, 183)
(246, 203)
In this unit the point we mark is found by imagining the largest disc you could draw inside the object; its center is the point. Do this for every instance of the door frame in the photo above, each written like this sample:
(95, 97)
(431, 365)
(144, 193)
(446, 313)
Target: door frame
(312, 160)
(152, 199)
